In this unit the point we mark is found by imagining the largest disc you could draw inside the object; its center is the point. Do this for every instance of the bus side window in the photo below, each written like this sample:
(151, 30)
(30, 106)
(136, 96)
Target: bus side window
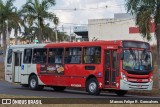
(27, 56)
(92, 55)
(55, 56)
(59, 56)
(40, 55)
(9, 57)
(73, 55)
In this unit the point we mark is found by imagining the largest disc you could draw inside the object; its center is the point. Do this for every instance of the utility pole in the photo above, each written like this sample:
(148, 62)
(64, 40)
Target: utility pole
(63, 32)
(7, 35)
(56, 33)
(70, 35)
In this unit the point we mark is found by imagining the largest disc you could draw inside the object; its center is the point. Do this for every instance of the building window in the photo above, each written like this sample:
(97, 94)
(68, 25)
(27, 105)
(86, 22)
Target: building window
(92, 55)
(73, 55)
(55, 56)
(27, 56)
(39, 56)
(9, 57)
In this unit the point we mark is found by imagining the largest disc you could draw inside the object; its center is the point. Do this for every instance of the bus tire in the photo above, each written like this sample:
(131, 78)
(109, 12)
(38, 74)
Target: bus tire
(33, 83)
(92, 87)
(59, 88)
(121, 92)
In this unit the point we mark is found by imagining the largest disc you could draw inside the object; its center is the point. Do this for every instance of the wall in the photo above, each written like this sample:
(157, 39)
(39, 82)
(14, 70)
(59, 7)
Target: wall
(115, 29)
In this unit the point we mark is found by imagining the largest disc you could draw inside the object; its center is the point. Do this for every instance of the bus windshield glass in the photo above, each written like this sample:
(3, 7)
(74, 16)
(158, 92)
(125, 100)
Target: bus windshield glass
(137, 60)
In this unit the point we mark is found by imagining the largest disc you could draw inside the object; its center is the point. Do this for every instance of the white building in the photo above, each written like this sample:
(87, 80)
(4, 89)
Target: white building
(81, 32)
(121, 27)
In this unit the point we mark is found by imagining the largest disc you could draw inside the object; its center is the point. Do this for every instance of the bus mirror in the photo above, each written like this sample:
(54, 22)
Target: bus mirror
(122, 55)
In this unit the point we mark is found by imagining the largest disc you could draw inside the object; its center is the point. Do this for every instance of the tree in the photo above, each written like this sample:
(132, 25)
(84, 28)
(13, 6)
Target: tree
(50, 35)
(37, 11)
(17, 24)
(30, 32)
(147, 11)
(56, 22)
(7, 13)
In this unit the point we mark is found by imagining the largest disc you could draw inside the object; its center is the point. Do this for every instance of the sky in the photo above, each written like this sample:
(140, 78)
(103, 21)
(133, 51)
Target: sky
(77, 12)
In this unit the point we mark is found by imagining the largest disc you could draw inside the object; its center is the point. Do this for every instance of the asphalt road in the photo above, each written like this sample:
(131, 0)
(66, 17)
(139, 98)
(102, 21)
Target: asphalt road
(15, 89)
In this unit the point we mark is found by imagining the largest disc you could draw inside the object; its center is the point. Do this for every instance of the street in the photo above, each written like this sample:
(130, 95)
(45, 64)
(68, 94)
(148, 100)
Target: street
(15, 89)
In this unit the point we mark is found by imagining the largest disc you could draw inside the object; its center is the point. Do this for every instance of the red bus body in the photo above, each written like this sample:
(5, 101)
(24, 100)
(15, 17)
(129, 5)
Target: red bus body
(77, 75)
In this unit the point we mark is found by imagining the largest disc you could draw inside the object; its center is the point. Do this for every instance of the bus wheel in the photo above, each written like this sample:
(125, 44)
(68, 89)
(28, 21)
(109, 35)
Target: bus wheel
(59, 88)
(92, 87)
(33, 83)
(120, 92)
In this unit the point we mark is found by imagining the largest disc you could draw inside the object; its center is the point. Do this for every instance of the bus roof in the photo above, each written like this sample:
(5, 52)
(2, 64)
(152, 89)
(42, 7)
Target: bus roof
(85, 43)
(27, 46)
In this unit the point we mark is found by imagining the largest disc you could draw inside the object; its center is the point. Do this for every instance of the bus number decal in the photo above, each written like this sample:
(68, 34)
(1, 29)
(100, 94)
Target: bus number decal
(76, 85)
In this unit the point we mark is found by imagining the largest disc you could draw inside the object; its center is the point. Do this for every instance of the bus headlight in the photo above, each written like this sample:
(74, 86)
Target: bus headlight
(123, 77)
(151, 79)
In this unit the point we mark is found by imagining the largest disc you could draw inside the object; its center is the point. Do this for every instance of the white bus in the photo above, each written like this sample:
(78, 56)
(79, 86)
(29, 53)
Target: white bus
(18, 66)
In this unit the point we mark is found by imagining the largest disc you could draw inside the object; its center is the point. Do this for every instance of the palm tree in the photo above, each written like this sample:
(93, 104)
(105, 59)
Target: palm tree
(56, 22)
(147, 11)
(30, 32)
(7, 13)
(37, 11)
(49, 33)
(17, 24)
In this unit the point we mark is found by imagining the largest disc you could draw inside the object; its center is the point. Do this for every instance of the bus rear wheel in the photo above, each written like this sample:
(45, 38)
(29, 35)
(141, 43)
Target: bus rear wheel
(121, 92)
(33, 83)
(92, 87)
(59, 88)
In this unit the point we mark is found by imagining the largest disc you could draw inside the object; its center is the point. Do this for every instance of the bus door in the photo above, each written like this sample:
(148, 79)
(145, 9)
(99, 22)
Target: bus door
(17, 66)
(9, 66)
(110, 68)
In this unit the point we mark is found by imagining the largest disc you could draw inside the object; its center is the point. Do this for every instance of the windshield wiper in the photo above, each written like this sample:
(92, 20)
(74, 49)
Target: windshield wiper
(132, 53)
(144, 55)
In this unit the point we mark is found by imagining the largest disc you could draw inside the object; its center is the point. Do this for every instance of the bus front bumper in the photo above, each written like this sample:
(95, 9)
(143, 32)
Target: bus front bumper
(126, 85)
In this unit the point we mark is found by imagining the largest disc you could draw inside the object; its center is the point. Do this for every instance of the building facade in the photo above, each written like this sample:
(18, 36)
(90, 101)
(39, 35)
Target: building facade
(118, 28)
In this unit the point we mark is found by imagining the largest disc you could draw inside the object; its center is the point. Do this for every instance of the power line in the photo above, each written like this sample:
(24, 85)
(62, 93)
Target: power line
(112, 21)
(88, 9)
(79, 10)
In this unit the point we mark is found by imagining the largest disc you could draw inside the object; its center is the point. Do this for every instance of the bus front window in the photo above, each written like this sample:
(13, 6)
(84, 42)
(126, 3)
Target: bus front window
(137, 60)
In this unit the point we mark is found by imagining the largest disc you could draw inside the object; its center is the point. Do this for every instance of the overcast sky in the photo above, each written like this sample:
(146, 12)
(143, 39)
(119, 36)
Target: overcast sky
(85, 9)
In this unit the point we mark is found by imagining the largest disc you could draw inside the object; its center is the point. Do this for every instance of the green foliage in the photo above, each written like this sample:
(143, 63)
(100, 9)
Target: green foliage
(145, 11)
(31, 17)
(36, 12)
(7, 14)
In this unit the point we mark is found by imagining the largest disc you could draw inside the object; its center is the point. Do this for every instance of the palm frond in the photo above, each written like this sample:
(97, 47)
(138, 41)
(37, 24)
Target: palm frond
(48, 3)
(143, 20)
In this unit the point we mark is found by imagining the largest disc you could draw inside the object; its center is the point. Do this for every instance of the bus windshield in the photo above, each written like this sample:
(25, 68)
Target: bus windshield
(137, 61)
